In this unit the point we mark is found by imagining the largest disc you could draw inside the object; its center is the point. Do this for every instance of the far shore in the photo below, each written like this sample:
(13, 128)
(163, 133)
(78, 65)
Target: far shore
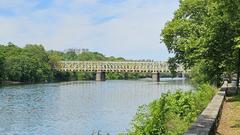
(20, 83)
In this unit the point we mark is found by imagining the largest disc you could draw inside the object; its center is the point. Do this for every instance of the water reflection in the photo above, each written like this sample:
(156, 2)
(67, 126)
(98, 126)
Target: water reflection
(77, 108)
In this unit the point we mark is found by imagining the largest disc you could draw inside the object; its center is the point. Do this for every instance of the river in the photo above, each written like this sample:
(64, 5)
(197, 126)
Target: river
(79, 107)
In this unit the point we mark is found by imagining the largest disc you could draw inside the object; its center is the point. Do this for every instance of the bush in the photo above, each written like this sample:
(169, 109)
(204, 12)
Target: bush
(173, 113)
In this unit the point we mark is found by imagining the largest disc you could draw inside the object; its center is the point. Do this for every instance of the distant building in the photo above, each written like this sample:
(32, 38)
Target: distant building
(144, 60)
(77, 51)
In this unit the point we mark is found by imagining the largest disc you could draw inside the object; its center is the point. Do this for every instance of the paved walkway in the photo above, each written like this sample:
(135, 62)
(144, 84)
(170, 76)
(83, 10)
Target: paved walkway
(230, 119)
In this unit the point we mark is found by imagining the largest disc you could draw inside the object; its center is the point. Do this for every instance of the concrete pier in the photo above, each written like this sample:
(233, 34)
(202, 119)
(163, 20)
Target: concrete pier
(100, 76)
(183, 74)
(156, 77)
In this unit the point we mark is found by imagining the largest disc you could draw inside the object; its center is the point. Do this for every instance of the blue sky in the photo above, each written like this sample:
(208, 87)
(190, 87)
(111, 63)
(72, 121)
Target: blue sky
(126, 28)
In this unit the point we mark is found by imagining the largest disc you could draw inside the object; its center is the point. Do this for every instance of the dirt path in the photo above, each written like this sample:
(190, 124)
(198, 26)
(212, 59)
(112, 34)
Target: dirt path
(230, 119)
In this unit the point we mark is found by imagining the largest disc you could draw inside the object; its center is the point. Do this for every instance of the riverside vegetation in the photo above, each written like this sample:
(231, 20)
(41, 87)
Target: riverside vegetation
(204, 35)
(33, 64)
(172, 113)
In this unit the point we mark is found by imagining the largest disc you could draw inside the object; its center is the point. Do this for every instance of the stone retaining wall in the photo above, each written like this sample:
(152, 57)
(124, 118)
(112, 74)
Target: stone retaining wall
(207, 122)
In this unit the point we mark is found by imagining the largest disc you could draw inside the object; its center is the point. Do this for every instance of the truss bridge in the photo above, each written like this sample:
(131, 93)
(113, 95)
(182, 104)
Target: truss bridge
(100, 67)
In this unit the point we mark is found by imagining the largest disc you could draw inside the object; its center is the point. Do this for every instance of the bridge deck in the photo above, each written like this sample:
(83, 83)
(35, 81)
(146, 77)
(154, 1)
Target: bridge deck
(113, 66)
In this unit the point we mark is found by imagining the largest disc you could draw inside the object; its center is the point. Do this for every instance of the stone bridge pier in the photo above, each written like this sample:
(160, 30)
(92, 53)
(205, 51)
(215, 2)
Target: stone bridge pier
(156, 77)
(100, 76)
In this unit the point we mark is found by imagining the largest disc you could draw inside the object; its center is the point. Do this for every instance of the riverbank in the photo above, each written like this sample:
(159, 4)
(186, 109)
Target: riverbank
(230, 118)
(6, 83)
(11, 83)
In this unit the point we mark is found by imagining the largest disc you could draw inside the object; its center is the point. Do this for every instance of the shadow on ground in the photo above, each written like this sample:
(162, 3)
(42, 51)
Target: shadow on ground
(233, 99)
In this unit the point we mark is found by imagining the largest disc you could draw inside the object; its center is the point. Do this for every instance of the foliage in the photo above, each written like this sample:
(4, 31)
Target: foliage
(1, 66)
(172, 113)
(172, 65)
(33, 64)
(199, 75)
(202, 34)
(29, 64)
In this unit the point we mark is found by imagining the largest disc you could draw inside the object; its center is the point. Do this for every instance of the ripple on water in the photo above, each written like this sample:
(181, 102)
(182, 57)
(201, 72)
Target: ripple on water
(78, 107)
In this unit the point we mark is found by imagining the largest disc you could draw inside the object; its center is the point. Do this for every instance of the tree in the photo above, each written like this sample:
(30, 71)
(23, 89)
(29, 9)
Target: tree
(172, 66)
(39, 58)
(202, 34)
(28, 64)
(1, 66)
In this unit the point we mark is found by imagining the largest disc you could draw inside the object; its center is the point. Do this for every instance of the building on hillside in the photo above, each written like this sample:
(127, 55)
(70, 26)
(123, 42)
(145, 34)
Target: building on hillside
(77, 51)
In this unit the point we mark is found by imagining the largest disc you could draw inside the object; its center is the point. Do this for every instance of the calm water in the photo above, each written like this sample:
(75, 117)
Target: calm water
(77, 108)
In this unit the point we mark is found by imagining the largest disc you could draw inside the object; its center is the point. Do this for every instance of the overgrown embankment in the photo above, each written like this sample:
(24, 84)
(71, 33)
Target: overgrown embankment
(173, 113)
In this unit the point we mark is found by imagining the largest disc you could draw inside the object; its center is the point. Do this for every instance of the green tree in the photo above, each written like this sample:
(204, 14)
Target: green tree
(40, 60)
(1, 67)
(86, 56)
(202, 33)
(172, 66)
(28, 64)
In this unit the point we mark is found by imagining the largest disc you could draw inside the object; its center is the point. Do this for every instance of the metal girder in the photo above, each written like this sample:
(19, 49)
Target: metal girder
(112, 66)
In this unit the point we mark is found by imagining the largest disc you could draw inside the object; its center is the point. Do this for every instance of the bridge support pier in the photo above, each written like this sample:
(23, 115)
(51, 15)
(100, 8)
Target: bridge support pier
(183, 75)
(156, 77)
(100, 76)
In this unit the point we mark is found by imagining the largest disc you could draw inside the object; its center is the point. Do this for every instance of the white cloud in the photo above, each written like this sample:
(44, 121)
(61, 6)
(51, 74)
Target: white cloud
(134, 33)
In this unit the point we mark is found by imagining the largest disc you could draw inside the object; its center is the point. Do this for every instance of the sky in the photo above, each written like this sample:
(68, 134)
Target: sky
(122, 28)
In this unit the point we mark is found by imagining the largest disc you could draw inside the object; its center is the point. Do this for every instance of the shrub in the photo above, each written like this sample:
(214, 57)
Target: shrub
(172, 113)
